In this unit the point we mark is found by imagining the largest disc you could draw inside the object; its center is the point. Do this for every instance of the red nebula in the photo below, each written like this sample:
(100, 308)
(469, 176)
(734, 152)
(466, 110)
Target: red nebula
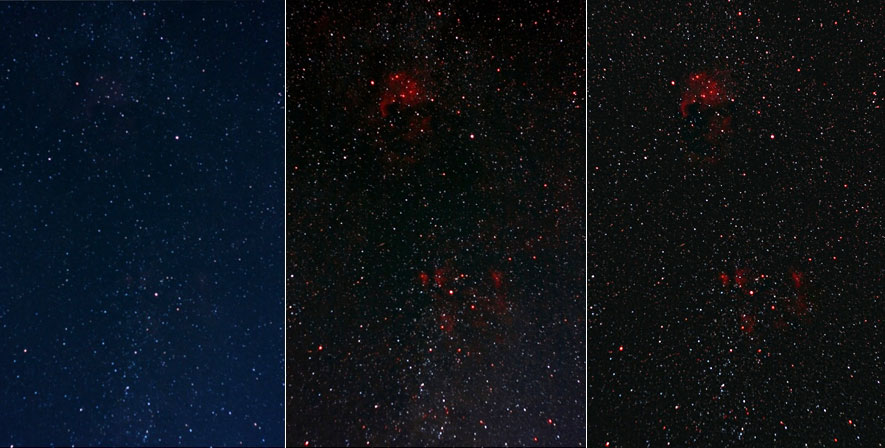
(497, 278)
(401, 89)
(439, 277)
(425, 279)
(703, 89)
(796, 276)
(740, 278)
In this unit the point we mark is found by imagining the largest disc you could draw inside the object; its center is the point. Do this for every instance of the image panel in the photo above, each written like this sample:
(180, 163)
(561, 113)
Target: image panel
(142, 223)
(435, 224)
(735, 237)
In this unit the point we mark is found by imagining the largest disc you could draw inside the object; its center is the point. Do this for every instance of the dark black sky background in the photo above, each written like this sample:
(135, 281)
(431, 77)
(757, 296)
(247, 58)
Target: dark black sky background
(735, 262)
(141, 224)
(435, 224)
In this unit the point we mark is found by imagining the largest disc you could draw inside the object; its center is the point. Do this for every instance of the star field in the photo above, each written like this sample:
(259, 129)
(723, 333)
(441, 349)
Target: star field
(735, 262)
(141, 224)
(478, 251)
(435, 224)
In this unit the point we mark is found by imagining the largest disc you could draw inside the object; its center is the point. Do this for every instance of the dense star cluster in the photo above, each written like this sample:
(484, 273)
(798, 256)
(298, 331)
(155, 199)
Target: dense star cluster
(736, 239)
(436, 224)
(141, 224)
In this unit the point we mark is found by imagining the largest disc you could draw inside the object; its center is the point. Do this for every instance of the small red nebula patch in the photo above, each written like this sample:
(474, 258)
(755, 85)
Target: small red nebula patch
(439, 277)
(797, 278)
(401, 89)
(497, 278)
(748, 322)
(424, 278)
(740, 278)
(703, 89)
(723, 278)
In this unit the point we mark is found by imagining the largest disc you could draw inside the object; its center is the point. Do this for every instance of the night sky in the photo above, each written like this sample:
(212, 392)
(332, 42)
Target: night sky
(447, 225)
(735, 236)
(141, 224)
(435, 224)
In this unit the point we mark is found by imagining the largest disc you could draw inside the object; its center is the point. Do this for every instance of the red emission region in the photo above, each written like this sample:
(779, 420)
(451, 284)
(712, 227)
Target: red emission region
(401, 89)
(705, 90)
